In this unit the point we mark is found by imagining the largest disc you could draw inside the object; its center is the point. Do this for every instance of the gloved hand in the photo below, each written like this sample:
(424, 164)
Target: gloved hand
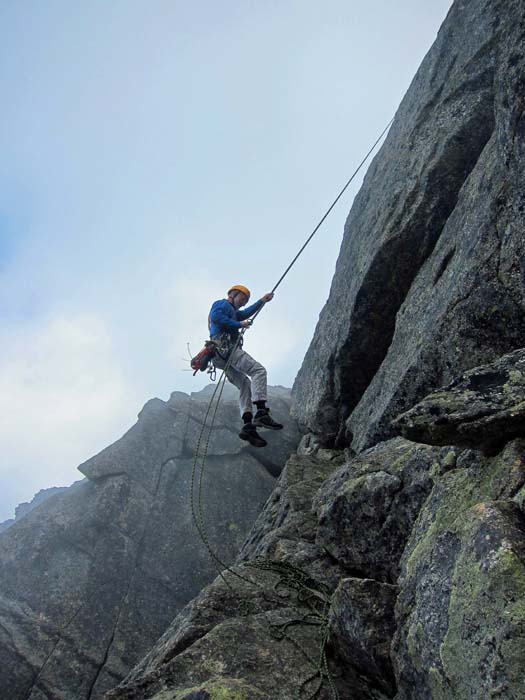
(247, 323)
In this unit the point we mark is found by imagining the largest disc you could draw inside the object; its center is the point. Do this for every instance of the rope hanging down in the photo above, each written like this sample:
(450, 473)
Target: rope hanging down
(293, 574)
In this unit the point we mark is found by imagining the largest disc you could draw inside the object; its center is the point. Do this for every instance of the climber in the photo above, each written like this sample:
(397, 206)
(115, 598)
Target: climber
(225, 322)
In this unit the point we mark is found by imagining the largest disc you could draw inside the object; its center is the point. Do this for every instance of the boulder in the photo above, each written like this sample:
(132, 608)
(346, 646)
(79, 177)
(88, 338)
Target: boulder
(483, 409)
(362, 626)
(366, 510)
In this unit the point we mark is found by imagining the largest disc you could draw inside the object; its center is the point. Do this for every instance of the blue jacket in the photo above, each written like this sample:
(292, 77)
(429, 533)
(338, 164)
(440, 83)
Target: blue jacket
(224, 318)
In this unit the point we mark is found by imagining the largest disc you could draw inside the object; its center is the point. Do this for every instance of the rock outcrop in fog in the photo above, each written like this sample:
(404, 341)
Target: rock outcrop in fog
(24, 508)
(91, 578)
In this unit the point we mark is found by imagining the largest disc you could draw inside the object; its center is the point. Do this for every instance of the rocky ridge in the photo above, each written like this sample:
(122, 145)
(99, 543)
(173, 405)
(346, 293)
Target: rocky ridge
(23, 509)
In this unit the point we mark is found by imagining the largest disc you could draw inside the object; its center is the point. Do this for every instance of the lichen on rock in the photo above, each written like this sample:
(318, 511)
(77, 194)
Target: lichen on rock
(483, 409)
(460, 617)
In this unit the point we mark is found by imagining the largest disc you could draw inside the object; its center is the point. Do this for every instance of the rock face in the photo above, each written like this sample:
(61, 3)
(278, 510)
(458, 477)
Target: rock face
(308, 606)
(90, 578)
(461, 621)
(429, 280)
(258, 632)
(483, 409)
(24, 508)
(390, 481)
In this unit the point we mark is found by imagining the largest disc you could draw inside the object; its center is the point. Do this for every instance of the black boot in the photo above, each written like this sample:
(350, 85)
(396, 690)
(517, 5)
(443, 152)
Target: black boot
(249, 433)
(263, 419)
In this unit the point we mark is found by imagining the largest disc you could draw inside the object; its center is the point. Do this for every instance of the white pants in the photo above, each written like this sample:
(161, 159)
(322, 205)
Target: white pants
(241, 367)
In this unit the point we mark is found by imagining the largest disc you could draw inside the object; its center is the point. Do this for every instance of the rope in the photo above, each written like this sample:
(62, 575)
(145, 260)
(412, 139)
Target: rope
(333, 204)
(311, 595)
(197, 472)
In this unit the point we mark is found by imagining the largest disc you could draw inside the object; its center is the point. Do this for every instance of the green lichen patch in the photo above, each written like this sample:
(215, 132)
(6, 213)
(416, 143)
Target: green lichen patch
(221, 689)
(456, 492)
(462, 593)
(486, 630)
(516, 377)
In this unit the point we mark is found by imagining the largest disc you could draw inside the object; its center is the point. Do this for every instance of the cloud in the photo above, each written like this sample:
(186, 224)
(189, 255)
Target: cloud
(63, 397)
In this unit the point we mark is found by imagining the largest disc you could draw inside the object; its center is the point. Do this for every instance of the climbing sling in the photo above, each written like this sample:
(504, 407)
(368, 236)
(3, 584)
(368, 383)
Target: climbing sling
(200, 362)
(222, 347)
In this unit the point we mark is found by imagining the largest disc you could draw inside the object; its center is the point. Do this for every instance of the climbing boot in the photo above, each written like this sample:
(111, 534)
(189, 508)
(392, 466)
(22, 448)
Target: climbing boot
(249, 433)
(263, 419)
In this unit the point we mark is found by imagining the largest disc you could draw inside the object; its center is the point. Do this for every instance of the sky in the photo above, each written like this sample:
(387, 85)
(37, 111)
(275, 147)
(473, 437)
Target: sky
(154, 154)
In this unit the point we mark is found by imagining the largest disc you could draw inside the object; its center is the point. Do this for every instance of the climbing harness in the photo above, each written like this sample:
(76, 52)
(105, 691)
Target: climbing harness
(222, 348)
(312, 597)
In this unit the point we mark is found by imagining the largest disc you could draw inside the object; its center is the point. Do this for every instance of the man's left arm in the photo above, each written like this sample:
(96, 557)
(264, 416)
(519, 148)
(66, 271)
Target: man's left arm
(246, 313)
(250, 310)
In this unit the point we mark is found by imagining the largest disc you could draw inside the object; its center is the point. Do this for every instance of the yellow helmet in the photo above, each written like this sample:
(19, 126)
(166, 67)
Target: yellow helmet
(239, 288)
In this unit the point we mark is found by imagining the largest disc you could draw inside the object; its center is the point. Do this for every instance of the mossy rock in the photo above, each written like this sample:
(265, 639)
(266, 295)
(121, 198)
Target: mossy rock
(483, 409)
(222, 689)
(461, 610)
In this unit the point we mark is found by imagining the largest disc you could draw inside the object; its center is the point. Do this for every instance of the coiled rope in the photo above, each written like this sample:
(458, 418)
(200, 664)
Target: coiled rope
(311, 595)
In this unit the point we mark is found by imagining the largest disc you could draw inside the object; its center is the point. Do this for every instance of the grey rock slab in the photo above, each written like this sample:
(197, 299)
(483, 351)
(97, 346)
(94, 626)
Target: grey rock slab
(410, 190)
(366, 510)
(234, 628)
(286, 528)
(361, 628)
(462, 310)
(483, 409)
(466, 305)
(212, 661)
(241, 589)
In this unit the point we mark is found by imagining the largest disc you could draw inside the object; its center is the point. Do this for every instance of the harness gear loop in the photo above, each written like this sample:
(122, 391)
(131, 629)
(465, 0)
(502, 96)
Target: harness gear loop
(200, 362)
